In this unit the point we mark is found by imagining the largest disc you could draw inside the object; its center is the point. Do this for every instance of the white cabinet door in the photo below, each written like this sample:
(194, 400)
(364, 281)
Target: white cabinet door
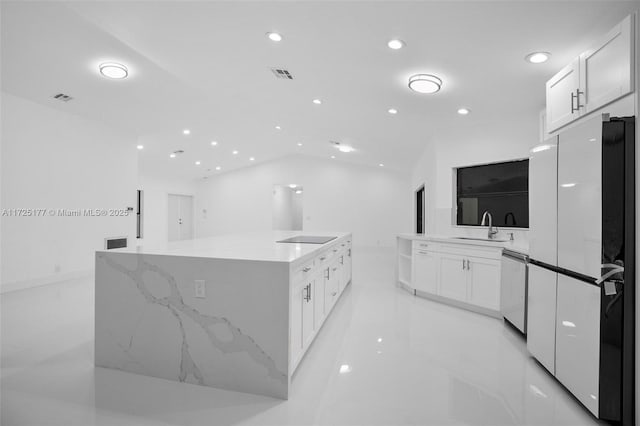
(543, 202)
(319, 309)
(580, 197)
(453, 277)
(484, 282)
(296, 322)
(561, 91)
(606, 70)
(541, 316)
(578, 339)
(307, 313)
(424, 271)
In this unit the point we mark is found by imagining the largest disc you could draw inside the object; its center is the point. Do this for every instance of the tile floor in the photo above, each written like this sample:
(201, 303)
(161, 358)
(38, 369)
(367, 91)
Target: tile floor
(384, 357)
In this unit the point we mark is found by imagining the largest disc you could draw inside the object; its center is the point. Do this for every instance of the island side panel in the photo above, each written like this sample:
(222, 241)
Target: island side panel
(148, 320)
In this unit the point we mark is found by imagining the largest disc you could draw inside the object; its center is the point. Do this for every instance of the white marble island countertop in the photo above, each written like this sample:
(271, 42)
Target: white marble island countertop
(518, 246)
(257, 246)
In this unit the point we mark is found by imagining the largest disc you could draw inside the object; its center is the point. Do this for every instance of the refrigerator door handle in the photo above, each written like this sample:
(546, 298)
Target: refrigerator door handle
(614, 269)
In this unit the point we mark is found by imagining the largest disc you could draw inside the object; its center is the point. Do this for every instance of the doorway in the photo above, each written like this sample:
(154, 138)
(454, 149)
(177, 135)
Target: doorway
(180, 217)
(287, 207)
(420, 210)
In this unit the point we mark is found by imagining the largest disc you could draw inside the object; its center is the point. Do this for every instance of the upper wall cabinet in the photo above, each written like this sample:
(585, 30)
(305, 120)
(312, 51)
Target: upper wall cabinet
(597, 77)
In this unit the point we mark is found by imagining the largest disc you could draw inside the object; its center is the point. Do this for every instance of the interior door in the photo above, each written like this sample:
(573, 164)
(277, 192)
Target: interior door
(453, 277)
(180, 217)
(580, 198)
(541, 316)
(578, 339)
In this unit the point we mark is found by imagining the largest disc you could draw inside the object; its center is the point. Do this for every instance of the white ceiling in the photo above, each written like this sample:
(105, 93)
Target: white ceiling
(205, 66)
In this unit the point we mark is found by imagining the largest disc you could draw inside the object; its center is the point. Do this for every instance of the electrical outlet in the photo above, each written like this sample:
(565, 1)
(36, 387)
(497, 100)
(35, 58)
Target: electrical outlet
(201, 291)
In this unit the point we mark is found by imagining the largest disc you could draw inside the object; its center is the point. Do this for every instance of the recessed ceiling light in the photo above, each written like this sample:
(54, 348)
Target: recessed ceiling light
(379, 339)
(172, 155)
(197, 163)
(424, 83)
(537, 57)
(278, 127)
(218, 167)
(140, 147)
(396, 44)
(252, 159)
(345, 148)
(317, 101)
(214, 143)
(299, 143)
(293, 186)
(464, 111)
(113, 70)
(392, 111)
(235, 152)
(540, 148)
(381, 165)
(274, 36)
(345, 368)
(186, 132)
(333, 157)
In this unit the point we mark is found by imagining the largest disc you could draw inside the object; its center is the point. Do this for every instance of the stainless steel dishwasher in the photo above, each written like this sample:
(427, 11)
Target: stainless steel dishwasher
(513, 289)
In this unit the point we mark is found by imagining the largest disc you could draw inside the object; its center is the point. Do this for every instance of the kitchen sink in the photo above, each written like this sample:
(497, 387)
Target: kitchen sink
(495, 240)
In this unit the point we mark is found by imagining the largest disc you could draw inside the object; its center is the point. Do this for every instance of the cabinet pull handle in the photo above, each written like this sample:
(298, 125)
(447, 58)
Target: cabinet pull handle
(342, 260)
(463, 264)
(323, 257)
(306, 269)
(334, 293)
(573, 96)
(335, 269)
(578, 93)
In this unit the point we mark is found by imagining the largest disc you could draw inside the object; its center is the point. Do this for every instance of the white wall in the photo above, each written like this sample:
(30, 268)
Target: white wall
(55, 160)
(373, 203)
(156, 190)
(465, 146)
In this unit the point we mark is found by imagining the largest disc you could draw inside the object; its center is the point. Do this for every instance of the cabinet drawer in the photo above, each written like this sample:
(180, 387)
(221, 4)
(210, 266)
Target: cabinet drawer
(422, 245)
(301, 273)
(472, 251)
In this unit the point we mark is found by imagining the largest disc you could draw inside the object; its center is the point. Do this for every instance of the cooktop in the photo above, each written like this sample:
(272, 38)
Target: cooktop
(307, 239)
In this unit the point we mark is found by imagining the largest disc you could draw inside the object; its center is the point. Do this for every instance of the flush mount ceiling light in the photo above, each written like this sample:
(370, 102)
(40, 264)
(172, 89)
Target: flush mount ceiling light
(113, 70)
(317, 101)
(299, 143)
(464, 111)
(140, 147)
(214, 143)
(278, 127)
(424, 83)
(197, 163)
(235, 152)
(274, 36)
(186, 132)
(218, 167)
(381, 165)
(537, 57)
(172, 155)
(392, 111)
(252, 159)
(333, 157)
(395, 44)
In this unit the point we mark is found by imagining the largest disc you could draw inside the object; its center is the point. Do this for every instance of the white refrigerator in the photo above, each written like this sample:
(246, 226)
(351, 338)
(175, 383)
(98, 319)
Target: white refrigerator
(581, 311)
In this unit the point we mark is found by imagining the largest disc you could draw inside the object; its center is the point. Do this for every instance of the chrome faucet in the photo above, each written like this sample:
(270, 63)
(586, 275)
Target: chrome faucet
(492, 232)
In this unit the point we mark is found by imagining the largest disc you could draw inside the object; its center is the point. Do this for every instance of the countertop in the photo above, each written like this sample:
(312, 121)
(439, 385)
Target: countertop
(257, 246)
(518, 246)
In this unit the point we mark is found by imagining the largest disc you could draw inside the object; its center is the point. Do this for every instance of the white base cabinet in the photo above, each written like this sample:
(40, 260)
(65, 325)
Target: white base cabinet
(466, 274)
(316, 286)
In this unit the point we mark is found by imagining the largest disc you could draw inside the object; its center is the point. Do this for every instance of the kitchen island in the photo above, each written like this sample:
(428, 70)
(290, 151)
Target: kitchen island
(235, 312)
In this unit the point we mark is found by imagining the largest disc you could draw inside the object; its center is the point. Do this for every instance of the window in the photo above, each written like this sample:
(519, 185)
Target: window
(139, 214)
(420, 210)
(502, 189)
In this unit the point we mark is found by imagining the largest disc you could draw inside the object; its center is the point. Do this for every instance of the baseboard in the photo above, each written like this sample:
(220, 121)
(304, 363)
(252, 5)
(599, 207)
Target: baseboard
(461, 305)
(50, 279)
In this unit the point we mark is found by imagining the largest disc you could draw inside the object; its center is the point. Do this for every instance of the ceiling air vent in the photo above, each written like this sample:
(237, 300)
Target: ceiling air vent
(62, 97)
(282, 73)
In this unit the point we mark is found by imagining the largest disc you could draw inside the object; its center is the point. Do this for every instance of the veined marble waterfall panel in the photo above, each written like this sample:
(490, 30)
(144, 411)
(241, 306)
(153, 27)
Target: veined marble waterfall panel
(148, 320)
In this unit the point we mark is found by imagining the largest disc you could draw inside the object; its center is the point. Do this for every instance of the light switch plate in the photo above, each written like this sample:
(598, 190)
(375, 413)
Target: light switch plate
(200, 289)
